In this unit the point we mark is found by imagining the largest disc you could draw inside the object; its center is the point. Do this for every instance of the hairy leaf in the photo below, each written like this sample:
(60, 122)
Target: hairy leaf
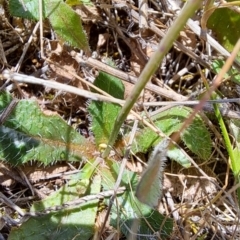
(28, 134)
(149, 190)
(127, 208)
(178, 155)
(68, 25)
(110, 84)
(65, 22)
(103, 114)
(196, 136)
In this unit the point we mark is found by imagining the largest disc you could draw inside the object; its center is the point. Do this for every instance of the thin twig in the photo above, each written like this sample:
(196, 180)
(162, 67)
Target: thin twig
(59, 86)
(26, 46)
(7, 111)
(41, 27)
(127, 77)
(120, 174)
(12, 205)
(211, 41)
(215, 85)
(75, 203)
(29, 79)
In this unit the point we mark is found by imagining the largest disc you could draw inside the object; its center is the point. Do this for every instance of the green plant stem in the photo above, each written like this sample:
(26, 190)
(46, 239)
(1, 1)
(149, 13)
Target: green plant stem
(223, 129)
(226, 138)
(229, 148)
(166, 43)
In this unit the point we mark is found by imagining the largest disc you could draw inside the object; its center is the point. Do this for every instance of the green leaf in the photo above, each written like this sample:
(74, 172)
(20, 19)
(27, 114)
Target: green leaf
(110, 84)
(171, 121)
(103, 114)
(79, 2)
(65, 22)
(68, 25)
(178, 155)
(149, 190)
(236, 170)
(28, 135)
(225, 24)
(26, 9)
(234, 127)
(128, 209)
(232, 73)
(76, 223)
(197, 137)
(144, 140)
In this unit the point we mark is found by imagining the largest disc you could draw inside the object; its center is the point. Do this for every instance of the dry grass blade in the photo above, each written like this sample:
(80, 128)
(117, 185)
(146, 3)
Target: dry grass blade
(51, 84)
(120, 174)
